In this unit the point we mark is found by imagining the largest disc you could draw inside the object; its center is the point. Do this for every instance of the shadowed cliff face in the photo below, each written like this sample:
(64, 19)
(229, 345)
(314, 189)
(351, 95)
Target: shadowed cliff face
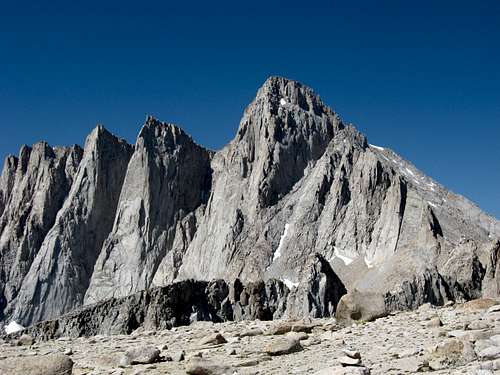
(298, 196)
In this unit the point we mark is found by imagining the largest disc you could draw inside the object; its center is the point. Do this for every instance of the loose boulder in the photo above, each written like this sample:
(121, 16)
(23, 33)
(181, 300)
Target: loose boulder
(282, 347)
(198, 366)
(140, 355)
(360, 306)
(52, 364)
(450, 353)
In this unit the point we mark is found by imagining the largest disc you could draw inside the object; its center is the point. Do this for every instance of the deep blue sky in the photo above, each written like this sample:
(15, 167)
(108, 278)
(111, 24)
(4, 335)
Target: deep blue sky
(421, 78)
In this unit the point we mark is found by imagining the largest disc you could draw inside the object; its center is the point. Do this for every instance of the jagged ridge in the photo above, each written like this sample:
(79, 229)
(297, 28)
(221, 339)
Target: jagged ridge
(297, 196)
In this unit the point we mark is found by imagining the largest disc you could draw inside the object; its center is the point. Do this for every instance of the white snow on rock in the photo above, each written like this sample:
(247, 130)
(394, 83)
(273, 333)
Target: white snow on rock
(277, 253)
(290, 284)
(369, 263)
(193, 317)
(410, 172)
(344, 259)
(377, 147)
(432, 204)
(283, 101)
(13, 327)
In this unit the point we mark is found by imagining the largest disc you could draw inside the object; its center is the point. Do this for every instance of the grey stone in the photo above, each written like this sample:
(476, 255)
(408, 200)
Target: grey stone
(25, 340)
(433, 323)
(140, 355)
(450, 353)
(358, 306)
(479, 324)
(352, 353)
(251, 332)
(281, 346)
(349, 361)
(214, 339)
(493, 352)
(280, 329)
(490, 365)
(179, 356)
(483, 372)
(493, 309)
(52, 364)
(206, 367)
(339, 370)
(299, 336)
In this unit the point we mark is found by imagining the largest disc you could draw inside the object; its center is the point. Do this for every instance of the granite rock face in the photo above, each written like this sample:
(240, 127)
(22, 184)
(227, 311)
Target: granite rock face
(299, 208)
(167, 179)
(61, 271)
(34, 194)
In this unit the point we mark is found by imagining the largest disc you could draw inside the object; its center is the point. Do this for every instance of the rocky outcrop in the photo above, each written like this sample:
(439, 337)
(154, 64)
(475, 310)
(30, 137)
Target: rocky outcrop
(299, 197)
(319, 294)
(60, 274)
(283, 133)
(7, 180)
(41, 183)
(375, 220)
(168, 178)
(178, 304)
(258, 300)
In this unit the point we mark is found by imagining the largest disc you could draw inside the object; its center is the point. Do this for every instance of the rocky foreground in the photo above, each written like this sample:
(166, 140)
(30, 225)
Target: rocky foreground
(461, 339)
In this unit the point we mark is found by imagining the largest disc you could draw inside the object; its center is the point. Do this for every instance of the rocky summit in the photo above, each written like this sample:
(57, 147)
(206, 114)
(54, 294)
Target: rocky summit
(298, 217)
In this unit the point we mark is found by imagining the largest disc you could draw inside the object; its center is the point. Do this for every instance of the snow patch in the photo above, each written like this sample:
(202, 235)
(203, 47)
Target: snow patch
(193, 317)
(283, 101)
(432, 204)
(377, 147)
(410, 172)
(344, 259)
(277, 253)
(290, 284)
(369, 263)
(13, 327)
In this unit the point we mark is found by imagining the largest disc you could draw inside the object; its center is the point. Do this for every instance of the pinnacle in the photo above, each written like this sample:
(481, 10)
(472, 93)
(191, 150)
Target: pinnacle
(283, 91)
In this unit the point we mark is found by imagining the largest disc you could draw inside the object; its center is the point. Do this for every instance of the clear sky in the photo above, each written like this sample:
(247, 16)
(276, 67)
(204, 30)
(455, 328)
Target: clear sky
(422, 78)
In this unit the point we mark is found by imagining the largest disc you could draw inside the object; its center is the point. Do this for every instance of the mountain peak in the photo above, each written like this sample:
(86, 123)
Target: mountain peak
(280, 91)
(156, 128)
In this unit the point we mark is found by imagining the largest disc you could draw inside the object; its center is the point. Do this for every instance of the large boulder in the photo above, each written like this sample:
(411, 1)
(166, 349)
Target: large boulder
(282, 346)
(360, 306)
(450, 353)
(52, 364)
(140, 355)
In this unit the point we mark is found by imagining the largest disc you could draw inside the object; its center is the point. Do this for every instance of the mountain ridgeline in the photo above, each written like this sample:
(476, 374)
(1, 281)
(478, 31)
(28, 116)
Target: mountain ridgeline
(299, 203)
